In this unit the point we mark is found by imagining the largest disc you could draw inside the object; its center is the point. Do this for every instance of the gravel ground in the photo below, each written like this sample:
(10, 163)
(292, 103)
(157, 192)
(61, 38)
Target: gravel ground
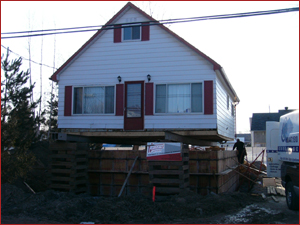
(52, 207)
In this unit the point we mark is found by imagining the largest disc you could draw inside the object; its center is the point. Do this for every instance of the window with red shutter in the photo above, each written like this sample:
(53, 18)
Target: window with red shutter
(149, 99)
(117, 33)
(68, 101)
(208, 97)
(130, 33)
(145, 32)
(119, 100)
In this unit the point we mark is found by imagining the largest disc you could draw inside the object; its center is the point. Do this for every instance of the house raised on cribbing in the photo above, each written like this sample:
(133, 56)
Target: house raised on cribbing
(136, 81)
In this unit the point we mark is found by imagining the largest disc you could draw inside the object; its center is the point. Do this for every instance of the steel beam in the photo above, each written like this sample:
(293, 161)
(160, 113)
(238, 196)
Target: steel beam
(187, 140)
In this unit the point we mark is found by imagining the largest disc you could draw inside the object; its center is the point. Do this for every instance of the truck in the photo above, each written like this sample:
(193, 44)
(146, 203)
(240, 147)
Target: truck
(282, 147)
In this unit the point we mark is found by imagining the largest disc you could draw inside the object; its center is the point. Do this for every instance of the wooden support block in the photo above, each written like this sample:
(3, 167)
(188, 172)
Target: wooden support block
(166, 172)
(142, 154)
(273, 190)
(167, 190)
(269, 182)
(165, 181)
(193, 154)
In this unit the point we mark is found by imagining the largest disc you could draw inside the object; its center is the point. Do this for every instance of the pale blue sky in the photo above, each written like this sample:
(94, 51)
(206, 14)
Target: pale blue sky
(259, 54)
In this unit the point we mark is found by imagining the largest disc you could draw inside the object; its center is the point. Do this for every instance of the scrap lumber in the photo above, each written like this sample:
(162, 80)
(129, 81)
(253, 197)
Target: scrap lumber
(29, 187)
(245, 177)
(274, 198)
(280, 191)
(271, 190)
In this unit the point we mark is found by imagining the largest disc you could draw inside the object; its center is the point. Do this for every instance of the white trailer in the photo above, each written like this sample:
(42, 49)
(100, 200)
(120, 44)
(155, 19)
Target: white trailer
(282, 139)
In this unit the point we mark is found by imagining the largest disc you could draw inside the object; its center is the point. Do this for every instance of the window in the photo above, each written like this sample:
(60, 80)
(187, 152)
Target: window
(132, 33)
(232, 109)
(179, 98)
(93, 100)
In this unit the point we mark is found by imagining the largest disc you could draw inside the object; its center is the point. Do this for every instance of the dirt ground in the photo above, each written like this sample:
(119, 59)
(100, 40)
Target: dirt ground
(52, 207)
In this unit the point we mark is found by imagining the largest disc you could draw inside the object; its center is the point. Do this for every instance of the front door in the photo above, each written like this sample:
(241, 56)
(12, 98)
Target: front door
(134, 105)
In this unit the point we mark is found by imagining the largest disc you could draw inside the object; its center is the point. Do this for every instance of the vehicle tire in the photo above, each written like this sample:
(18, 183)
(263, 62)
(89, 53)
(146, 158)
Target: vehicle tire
(292, 200)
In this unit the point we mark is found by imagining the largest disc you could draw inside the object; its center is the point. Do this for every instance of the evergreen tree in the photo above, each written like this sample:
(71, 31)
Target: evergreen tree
(52, 111)
(18, 121)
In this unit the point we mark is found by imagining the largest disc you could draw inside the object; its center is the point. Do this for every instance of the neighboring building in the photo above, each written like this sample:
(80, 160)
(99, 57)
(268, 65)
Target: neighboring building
(131, 83)
(258, 126)
(246, 137)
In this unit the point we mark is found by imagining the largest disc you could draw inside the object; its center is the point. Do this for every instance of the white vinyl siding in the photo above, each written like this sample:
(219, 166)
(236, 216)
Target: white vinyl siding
(163, 57)
(226, 122)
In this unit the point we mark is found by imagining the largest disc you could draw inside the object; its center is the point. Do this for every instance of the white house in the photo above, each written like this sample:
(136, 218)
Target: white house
(135, 81)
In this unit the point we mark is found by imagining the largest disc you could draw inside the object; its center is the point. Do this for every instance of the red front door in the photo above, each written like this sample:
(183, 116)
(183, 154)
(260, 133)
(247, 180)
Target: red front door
(134, 105)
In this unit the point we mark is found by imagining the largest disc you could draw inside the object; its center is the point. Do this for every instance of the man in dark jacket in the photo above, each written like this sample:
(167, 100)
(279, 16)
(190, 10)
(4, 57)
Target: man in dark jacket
(240, 146)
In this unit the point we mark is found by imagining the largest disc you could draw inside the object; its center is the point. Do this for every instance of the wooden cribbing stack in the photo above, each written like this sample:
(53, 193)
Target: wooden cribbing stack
(170, 176)
(68, 167)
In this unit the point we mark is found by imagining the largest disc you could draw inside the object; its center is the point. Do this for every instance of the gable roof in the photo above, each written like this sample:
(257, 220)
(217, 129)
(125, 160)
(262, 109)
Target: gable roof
(259, 119)
(129, 5)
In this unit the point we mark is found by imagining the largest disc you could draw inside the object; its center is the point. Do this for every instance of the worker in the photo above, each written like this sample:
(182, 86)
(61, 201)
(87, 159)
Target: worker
(241, 150)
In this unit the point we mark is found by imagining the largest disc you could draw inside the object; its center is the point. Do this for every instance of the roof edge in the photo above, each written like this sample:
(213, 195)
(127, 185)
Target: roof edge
(54, 76)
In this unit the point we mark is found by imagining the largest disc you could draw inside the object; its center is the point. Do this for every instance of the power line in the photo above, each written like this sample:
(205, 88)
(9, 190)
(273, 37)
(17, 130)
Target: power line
(169, 21)
(41, 64)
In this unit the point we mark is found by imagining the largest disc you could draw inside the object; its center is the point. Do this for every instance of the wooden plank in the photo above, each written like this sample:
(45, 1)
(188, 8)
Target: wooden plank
(166, 172)
(60, 186)
(274, 198)
(167, 190)
(117, 171)
(61, 163)
(62, 156)
(183, 185)
(78, 182)
(127, 177)
(269, 182)
(273, 190)
(79, 190)
(184, 176)
(68, 171)
(55, 178)
(280, 191)
(166, 181)
(185, 167)
(81, 174)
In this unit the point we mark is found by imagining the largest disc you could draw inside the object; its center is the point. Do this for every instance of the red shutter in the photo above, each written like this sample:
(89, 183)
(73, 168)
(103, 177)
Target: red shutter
(149, 99)
(119, 99)
(117, 33)
(208, 97)
(68, 101)
(145, 32)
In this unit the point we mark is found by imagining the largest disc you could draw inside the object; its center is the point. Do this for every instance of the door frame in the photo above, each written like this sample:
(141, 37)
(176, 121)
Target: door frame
(136, 123)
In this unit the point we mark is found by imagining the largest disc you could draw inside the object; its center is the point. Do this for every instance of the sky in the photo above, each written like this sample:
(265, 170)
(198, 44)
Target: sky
(260, 54)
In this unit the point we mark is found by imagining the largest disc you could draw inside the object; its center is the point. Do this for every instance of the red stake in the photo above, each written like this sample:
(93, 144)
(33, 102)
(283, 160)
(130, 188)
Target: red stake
(153, 194)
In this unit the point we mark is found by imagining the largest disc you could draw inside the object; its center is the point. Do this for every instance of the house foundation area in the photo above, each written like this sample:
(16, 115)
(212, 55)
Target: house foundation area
(157, 168)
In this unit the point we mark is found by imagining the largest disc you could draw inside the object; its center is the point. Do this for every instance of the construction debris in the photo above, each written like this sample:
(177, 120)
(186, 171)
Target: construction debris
(280, 190)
